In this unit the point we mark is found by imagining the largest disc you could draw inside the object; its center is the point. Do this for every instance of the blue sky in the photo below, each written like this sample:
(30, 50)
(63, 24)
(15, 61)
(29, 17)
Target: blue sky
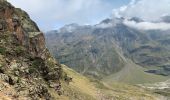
(53, 14)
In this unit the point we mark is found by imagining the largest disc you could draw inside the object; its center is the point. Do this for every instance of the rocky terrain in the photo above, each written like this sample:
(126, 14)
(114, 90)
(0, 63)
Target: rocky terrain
(27, 70)
(162, 88)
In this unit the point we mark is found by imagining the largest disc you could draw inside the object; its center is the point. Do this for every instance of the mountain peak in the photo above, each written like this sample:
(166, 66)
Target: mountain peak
(136, 19)
(106, 21)
(166, 19)
(69, 27)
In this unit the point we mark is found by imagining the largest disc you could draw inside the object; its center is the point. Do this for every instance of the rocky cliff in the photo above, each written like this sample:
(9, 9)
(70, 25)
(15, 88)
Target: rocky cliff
(26, 66)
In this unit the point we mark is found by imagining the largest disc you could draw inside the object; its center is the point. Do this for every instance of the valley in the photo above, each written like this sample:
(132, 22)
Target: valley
(91, 89)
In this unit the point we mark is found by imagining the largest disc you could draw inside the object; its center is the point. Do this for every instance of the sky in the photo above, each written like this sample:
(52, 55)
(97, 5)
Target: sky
(53, 14)
(149, 10)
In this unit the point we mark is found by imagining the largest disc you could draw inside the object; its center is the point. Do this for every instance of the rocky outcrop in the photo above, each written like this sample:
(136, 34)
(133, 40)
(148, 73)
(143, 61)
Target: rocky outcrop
(15, 20)
(25, 63)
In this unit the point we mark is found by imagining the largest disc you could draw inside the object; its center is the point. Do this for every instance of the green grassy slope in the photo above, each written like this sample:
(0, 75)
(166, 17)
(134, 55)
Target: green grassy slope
(133, 74)
(83, 88)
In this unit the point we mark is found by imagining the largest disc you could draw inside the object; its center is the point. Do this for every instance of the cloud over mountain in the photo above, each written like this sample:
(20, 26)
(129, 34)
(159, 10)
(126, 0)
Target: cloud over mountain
(145, 9)
(151, 11)
(147, 25)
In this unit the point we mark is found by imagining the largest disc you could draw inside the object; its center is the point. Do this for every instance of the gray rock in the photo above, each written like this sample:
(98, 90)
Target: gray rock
(1, 26)
(4, 77)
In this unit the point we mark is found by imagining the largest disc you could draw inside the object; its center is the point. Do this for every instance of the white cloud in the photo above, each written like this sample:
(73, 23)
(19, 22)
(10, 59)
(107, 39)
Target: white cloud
(146, 9)
(147, 25)
(104, 25)
(50, 13)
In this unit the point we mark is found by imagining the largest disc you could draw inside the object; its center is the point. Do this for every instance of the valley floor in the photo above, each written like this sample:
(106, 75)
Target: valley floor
(83, 88)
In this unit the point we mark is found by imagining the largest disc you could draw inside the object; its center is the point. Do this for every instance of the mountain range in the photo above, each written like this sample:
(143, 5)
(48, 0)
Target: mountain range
(106, 48)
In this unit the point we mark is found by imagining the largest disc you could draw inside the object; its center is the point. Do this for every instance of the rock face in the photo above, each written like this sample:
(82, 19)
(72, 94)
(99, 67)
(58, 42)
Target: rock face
(25, 63)
(26, 32)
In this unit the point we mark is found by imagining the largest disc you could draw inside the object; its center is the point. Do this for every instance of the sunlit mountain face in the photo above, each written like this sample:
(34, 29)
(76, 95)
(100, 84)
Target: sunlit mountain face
(105, 46)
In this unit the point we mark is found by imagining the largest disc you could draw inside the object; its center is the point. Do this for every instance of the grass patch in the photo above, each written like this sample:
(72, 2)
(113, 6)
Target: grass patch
(2, 50)
(133, 74)
(19, 50)
(96, 89)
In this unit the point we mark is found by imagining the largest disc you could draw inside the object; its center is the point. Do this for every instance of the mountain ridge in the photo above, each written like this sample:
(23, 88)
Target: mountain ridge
(99, 47)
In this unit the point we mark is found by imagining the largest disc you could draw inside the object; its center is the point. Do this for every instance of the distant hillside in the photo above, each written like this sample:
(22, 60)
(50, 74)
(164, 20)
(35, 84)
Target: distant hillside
(133, 74)
(102, 49)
